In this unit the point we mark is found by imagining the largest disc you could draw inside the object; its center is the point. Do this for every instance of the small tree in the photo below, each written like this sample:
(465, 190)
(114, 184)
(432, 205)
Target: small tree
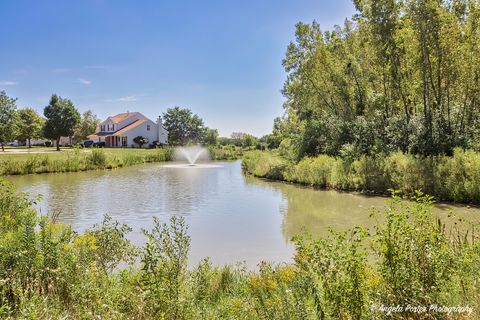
(210, 136)
(62, 119)
(8, 118)
(88, 125)
(140, 141)
(30, 125)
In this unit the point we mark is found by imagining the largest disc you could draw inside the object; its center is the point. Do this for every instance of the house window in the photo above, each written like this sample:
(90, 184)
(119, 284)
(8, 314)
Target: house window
(113, 127)
(124, 141)
(148, 127)
(102, 128)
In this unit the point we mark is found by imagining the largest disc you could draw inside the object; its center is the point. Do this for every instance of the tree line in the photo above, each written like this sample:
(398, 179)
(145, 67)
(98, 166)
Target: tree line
(399, 75)
(62, 119)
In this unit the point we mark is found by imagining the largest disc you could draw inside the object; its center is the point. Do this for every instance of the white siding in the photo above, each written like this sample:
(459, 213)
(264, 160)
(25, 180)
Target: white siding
(141, 130)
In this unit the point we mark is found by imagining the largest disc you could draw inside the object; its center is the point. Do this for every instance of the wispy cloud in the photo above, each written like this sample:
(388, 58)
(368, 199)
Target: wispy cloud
(8, 83)
(131, 98)
(127, 99)
(85, 81)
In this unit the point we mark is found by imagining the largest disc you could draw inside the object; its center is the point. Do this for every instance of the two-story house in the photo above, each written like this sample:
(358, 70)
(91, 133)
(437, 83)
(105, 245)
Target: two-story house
(121, 129)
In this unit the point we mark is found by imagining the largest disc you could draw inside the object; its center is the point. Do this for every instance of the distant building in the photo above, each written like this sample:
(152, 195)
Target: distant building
(120, 130)
(33, 142)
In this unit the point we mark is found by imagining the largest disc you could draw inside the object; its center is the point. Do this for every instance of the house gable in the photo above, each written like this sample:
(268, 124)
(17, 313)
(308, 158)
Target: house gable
(121, 129)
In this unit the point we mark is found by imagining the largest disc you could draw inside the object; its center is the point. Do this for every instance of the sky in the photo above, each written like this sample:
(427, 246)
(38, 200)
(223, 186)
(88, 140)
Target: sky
(221, 59)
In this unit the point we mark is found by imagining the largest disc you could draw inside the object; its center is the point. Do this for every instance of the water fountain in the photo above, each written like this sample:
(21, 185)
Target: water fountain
(196, 156)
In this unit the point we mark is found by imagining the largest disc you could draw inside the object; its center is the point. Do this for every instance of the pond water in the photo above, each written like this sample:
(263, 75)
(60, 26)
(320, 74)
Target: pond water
(231, 217)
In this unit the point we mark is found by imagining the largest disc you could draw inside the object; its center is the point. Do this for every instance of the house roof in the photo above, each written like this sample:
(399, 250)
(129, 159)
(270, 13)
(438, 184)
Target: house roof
(122, 116)
(130, 126)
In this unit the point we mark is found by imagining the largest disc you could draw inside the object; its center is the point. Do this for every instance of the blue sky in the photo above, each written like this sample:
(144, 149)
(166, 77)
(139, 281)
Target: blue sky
(222, 59)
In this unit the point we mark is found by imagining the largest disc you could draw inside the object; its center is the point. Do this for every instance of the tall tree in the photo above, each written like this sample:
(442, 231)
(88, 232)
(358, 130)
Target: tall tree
(210, 136)
(87, 126)
(8, 119)
(30, 125)
(399, 75)
(62, 119)
(183, 126)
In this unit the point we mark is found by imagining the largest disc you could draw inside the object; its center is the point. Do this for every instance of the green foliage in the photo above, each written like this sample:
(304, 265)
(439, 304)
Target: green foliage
(228, 152)
(210, 136)
(140, 141)
(112, 247)
(164, 260)
(452, 178)
(30, 125)
(264, 164)
(87, 126)
(183, 126)
(80, 160)
(47, 271)
(97, 158)
(399, 75)
(62, 119)
(8, 119)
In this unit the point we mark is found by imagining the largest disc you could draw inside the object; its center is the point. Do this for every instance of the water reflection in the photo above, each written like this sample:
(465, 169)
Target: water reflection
(315, 211)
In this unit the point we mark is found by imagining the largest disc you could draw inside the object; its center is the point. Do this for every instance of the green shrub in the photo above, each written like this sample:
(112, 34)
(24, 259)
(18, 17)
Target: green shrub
(453, 178)
(97, 158)
(47, 271)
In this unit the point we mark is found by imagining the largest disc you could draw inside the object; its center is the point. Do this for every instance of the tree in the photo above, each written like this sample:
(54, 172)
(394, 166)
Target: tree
(237, 138)
(30, 125)
(140, 141)
(210, 136)
(225, 141)
(8, 119)
(88, 125)
(183, 126)
(62, 119)
(401, 75)
(248, 140)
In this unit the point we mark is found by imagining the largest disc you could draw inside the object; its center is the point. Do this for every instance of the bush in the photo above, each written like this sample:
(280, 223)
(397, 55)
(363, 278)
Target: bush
(97, 158)
(454, 178)
(264, 164)
(47, 271)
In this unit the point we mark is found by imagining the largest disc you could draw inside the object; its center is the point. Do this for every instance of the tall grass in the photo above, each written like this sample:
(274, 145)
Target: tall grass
(47, 271)
(76, 160)
(229, 152)
(455, 178)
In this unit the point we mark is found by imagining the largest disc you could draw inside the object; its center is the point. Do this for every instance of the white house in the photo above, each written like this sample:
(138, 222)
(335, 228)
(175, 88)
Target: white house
(120, 130)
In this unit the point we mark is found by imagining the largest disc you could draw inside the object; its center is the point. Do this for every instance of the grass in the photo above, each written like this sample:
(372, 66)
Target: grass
(72, 159)
(455, 178)
(47, 271)
(47, 160)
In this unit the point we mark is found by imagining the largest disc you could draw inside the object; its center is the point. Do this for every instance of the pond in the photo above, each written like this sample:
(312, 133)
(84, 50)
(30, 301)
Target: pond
(231, 217)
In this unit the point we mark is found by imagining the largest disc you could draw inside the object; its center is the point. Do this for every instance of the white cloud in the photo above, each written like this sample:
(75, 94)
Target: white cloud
(131, 98)
(8, 83)
(127, 99)
(85, 81)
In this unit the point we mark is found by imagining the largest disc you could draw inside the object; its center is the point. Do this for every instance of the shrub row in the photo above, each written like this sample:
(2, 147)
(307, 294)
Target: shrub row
(455, 178)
